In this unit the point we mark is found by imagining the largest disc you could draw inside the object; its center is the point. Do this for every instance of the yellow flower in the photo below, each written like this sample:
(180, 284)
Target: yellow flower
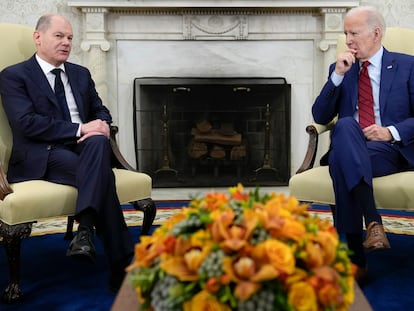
(204, 301)
(302, 297)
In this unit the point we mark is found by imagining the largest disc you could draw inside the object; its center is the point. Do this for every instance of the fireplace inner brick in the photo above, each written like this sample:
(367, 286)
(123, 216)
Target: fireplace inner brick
(206, 132)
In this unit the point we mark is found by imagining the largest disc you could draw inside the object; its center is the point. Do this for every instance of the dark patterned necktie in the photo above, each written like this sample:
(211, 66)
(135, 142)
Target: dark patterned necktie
(365, 98)
(60, 95)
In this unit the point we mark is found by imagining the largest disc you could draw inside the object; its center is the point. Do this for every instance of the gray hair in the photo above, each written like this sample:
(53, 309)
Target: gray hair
(45, 20)
(373, 17)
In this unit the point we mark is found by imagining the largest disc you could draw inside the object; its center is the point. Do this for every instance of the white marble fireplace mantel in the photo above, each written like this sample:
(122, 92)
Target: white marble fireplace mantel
(213, 3)
(124, 40)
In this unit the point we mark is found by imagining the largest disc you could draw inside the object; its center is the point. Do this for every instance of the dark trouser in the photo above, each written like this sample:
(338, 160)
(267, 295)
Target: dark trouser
(353, 160)
(87, 167)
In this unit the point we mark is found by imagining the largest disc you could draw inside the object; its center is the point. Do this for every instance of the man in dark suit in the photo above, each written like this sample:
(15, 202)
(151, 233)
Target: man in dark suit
(364, 147)
(61, 134)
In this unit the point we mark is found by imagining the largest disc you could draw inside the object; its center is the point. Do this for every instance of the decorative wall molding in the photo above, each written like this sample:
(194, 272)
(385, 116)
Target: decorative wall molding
(215, 27)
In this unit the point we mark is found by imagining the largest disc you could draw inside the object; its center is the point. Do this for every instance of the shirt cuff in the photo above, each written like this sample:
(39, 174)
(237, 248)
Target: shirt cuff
(78, 133)
(336, 79)
(394, 132)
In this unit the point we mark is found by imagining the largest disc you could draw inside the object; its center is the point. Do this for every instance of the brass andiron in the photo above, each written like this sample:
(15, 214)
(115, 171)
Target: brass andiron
(165, 166)
(266, 167)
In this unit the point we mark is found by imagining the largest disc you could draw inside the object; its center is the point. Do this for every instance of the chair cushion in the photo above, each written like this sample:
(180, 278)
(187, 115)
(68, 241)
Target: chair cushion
(394, 191)
(132, 186)
(38, 199)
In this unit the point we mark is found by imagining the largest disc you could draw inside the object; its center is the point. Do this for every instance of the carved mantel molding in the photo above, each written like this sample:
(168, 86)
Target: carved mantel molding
(204, 20)
(213, 3)
(210, 19)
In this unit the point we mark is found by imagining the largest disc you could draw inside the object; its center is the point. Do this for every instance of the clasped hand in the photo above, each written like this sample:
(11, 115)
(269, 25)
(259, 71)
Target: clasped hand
(377, 133)
(95, 127)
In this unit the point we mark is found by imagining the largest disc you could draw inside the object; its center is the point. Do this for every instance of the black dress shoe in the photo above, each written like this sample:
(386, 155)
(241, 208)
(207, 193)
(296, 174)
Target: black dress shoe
(82, 246)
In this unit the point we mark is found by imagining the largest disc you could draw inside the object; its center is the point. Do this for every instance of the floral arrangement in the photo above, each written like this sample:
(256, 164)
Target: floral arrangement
(243, 251)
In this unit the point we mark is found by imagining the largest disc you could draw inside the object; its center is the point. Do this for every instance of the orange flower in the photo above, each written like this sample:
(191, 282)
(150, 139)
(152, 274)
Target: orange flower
(292, 229)
(232, 236)
(204, 301)
(278, 254)
(238, 193)
(329, 295)
(147, 251)
(247, 275)
(313, 254)
(302, 297)
(187, 257)
(296, 276)
(213, 285)
(329, 243)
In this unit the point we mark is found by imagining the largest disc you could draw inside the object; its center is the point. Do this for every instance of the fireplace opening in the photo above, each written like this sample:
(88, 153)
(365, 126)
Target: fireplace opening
(204, 132)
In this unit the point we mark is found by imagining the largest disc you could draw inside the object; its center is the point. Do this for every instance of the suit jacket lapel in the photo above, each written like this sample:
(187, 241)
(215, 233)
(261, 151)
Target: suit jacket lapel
(36, 74)
(388, 70)
(73, 81)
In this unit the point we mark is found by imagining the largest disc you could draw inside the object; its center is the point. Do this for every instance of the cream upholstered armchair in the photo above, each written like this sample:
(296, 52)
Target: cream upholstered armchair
(23, 203)
(313, 183)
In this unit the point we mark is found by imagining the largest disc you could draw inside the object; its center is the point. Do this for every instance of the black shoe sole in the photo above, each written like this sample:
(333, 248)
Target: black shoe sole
(82, 255)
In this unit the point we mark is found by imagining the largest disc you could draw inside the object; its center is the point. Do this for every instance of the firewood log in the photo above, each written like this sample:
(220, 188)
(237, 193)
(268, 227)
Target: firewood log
(196, 149)
(215, 137)
(204, 126)
(238, 152)
(217, 152)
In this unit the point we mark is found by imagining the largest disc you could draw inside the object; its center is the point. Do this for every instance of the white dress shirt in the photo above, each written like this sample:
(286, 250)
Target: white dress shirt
(70, 99)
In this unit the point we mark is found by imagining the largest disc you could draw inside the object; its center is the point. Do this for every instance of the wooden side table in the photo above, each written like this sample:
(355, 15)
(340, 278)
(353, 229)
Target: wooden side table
(126, 300)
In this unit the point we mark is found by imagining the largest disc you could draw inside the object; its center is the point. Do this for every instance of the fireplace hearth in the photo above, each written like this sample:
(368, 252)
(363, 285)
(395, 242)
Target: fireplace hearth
(202, 132)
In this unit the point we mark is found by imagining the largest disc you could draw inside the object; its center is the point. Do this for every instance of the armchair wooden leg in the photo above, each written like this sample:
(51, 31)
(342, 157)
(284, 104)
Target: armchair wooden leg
(69, 228)
(147, 206)
(12, 236)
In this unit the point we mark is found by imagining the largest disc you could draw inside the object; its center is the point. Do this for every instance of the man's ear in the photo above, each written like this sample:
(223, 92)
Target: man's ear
(36, 36)
(378, 33)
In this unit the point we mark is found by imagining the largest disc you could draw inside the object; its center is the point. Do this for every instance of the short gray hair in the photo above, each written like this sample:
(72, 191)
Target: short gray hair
(374, 17)
(45, 20)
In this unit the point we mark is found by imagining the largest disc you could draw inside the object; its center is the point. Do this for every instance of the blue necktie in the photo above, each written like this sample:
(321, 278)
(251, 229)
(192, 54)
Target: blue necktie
(60, 95)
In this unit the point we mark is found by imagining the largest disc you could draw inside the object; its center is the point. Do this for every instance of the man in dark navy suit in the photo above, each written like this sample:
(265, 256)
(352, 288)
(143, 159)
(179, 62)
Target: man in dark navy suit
(61, 134)
(384, 145)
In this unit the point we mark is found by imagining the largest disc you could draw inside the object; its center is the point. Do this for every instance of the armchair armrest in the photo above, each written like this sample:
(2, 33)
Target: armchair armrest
(313, 130)
(5, 188)
(119, 160)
